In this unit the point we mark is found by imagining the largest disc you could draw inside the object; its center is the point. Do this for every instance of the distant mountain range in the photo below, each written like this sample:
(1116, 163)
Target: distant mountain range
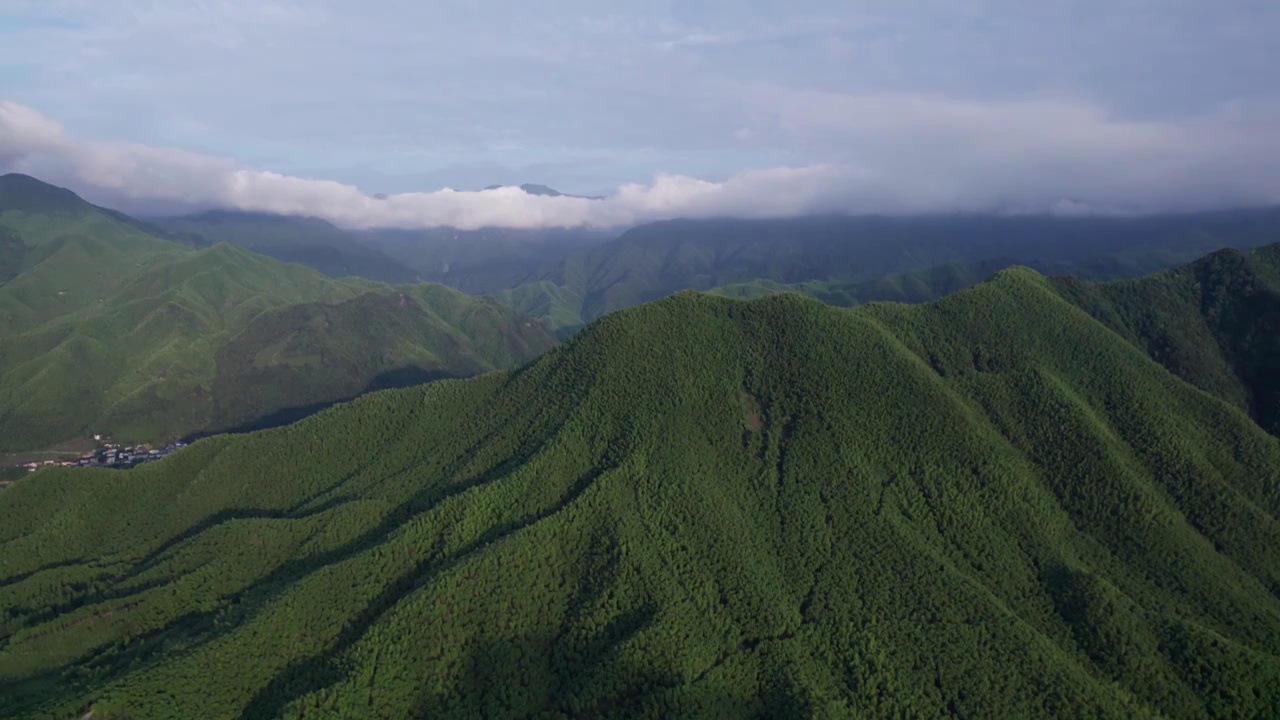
(853, 259)
(216, 368)
(106, 326)
(567, 277)
(1002, 504)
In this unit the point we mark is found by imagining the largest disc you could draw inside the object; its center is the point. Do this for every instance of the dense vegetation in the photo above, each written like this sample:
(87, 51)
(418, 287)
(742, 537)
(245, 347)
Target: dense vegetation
(989, 506)
(914, 286)
(107, 328)
(1215, 323)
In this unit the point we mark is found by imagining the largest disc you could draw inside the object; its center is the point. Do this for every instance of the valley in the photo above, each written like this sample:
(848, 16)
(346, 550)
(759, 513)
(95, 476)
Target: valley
(996, 481)
(767, 360)
(111, 329)
(1020, 493)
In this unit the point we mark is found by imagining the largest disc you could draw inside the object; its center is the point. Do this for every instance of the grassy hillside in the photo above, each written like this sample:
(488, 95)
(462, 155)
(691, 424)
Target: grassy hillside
(308, 241)
(1214, 323)
(314, 353)
(989, 506)
(62, 254)
(105, 328)
(836, 258)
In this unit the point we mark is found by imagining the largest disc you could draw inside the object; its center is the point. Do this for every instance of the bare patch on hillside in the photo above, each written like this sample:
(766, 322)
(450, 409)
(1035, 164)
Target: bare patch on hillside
(751, 410)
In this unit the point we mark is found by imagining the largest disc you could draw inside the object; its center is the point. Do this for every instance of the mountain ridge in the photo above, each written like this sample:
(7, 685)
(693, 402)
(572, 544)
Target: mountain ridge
(988, 505)
(108, 329)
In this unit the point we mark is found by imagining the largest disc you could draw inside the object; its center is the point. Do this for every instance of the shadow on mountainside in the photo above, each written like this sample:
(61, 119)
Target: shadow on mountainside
(402, 377)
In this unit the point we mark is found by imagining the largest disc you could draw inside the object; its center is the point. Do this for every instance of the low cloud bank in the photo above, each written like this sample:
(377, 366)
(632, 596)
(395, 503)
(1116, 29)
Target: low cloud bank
(888, 155)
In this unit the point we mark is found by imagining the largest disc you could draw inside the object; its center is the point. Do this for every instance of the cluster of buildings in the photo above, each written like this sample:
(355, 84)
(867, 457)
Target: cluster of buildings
(111, 455)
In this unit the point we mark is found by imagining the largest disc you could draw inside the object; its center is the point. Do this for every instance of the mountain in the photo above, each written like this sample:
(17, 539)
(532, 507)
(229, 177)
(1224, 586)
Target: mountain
(993, 505)
(309, 241)
(567, 277)
(655, 260)
(1215, 323)
(107, 329)
(485, 260)
(535, 189)
(914, 286)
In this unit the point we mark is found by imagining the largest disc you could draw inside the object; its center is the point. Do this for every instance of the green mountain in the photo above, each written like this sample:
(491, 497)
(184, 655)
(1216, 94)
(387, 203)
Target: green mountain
(838, 256)
(308, 241)
(482, 261)
(993, 505)
(105, 328)
(1215, 323)
(914, 286)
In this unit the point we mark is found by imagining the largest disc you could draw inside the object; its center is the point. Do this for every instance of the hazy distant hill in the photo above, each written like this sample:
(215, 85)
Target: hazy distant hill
(309, 241)
(989, 506)
(482, 261)
(835, 255)
(105, 328)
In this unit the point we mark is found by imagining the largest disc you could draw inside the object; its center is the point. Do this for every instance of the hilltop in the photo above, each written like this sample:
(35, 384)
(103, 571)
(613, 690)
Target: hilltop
(1215, 323)
(993, 505)
(105, 328)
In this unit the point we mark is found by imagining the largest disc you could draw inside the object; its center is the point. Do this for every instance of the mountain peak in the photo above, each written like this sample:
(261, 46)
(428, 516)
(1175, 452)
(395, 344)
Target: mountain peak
(544, 191)
(535, 189)
(25, 193)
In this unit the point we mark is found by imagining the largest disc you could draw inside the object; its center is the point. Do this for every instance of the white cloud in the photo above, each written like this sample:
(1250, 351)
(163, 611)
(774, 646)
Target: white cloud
(890, 154)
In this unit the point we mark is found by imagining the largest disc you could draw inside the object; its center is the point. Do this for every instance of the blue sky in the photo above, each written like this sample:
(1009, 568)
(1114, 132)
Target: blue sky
(917, 105)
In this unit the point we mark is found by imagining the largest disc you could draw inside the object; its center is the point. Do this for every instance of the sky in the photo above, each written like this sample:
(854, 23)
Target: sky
(693, 108)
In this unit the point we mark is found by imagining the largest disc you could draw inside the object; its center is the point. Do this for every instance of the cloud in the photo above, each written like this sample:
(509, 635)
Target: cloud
(409, 96)
(887, 154)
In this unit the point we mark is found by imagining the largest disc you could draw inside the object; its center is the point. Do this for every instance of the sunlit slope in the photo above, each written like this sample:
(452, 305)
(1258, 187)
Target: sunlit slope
(990, 506)
(106, 328)
(60, 254)
(165, 354)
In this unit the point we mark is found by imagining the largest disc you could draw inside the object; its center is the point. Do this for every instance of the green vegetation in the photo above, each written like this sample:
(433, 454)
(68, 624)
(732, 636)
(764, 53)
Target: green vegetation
(1215, 323)
(558, 308)
(106, 328)
(915, 286)
(989, 506)
(568, 277)
(482, 261)
(307, 241)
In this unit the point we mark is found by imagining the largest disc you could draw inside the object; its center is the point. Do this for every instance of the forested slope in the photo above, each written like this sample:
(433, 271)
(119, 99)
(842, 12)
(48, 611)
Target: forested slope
(307, 241)
(1214, 323)
(105, 328)
(989, 506)
(914, 286)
